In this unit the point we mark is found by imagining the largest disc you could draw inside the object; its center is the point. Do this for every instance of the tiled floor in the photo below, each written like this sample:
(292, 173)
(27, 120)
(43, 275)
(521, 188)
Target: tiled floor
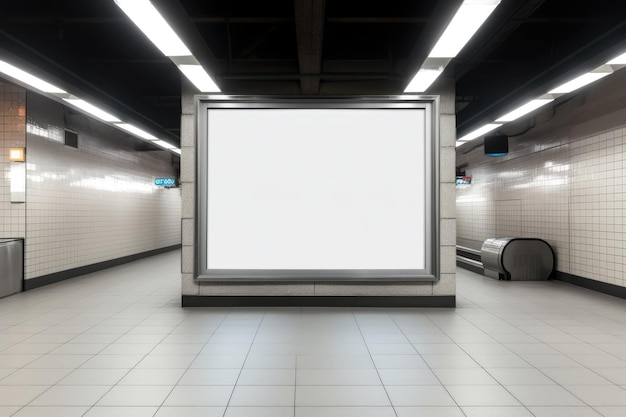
(117, 343)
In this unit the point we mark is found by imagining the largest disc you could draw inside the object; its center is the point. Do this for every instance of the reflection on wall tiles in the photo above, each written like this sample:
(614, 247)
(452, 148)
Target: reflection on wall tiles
(571, 195)
(94, 203)
(12, 135)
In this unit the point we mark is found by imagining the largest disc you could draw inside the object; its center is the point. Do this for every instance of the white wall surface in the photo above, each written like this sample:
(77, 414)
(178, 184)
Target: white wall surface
(12, 135)
(94, 203)
(563, 181)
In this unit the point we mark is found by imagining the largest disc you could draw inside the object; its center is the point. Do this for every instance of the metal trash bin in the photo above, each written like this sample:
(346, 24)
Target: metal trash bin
(11, 266)
(518, 259)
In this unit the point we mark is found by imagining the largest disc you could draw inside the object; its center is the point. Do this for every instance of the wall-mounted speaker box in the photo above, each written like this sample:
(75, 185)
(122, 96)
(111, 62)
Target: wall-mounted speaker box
(497, 145)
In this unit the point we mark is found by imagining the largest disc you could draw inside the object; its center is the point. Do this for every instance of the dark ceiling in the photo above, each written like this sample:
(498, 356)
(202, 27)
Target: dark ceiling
(310, 47)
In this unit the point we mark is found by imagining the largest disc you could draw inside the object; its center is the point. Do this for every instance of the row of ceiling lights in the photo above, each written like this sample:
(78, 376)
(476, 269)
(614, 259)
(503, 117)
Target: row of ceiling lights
(468, 19)
(540, 101)
(470, 16)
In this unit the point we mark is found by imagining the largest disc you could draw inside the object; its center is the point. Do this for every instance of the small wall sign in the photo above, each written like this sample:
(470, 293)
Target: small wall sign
(165, 182)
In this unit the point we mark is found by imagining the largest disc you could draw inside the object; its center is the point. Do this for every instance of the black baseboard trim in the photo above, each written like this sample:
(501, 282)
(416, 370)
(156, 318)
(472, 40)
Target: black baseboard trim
(313, 301)
(603, 287)
(30, 284)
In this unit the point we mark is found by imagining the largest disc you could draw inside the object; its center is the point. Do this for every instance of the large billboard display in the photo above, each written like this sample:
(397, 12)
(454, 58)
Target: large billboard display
(317, 189)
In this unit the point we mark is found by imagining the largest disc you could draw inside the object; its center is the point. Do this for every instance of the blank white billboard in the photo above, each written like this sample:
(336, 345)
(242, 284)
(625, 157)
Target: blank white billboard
(316, 192)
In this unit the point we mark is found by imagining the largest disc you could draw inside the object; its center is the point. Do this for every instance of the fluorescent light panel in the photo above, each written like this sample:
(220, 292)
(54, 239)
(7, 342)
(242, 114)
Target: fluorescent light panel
(480, 131)
(422, 80)
(136, 131)
(578, 82)
(153, 25)
(199, 77)
(163, 144)
(620, 60)
(29, 79)
(524, 109)
(467, 20)
(91, 109)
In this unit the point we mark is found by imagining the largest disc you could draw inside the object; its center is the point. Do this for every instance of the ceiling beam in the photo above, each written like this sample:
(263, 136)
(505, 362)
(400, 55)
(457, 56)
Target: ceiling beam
(309, 31)
(520, 15)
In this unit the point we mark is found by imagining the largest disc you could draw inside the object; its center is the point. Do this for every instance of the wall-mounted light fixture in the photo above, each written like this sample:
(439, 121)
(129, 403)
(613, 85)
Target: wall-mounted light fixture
(17, 155)
(18, 175)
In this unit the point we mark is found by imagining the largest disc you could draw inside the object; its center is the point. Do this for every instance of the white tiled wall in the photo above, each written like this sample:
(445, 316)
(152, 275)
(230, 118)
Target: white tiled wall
(94, 203)
(564, 183)
(12, 135)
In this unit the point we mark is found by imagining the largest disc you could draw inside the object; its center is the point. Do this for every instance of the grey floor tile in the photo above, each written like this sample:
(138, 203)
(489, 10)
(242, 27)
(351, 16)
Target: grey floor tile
(166, 361)
(262, 396)
(481, 396)
(520, 376)
(408, 377)
(8, 411)
(334, 362)
(259, 412)
(612, 411)
(267, 377)
(190, 412)
(35, 377)
(399, 361)
(353, 396)
(450, 361)
(71, 396)
(29, 411)
(420, 396)
(575, 376)
(199, 396)
(255, 361)
(464, 376)
(20, 395)
(16, 361)
(108, 377)
(127, 349)
(218, 361)
(152, 377)
(114, 411)
(582, 411)
(599, 395)
(497, 411)
(112, 361)
(135, 395)
(429, 411)
(210, 377)
(344, 412)
(544, 395)
(337, 377)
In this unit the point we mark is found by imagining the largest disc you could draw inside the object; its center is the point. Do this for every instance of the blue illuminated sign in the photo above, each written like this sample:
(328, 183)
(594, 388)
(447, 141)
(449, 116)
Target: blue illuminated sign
(165, 182)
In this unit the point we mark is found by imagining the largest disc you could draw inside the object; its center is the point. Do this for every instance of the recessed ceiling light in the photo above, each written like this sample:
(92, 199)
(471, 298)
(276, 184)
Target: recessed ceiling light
(620, 60)
(200, 78)
(29, 79)
(91, 109)
(163, 144)
(524, 109)
(153, 25)
(136, 131)
(480, 131)
(422, 80)
(578, 82)
(467, 20)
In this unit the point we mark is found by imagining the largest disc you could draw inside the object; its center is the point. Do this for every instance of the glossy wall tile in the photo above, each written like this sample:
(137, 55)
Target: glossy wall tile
(12, 135)
(96, 202)
(570, 194)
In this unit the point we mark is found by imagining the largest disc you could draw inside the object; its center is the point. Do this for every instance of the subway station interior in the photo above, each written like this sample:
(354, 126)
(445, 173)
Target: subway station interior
(306, 208)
